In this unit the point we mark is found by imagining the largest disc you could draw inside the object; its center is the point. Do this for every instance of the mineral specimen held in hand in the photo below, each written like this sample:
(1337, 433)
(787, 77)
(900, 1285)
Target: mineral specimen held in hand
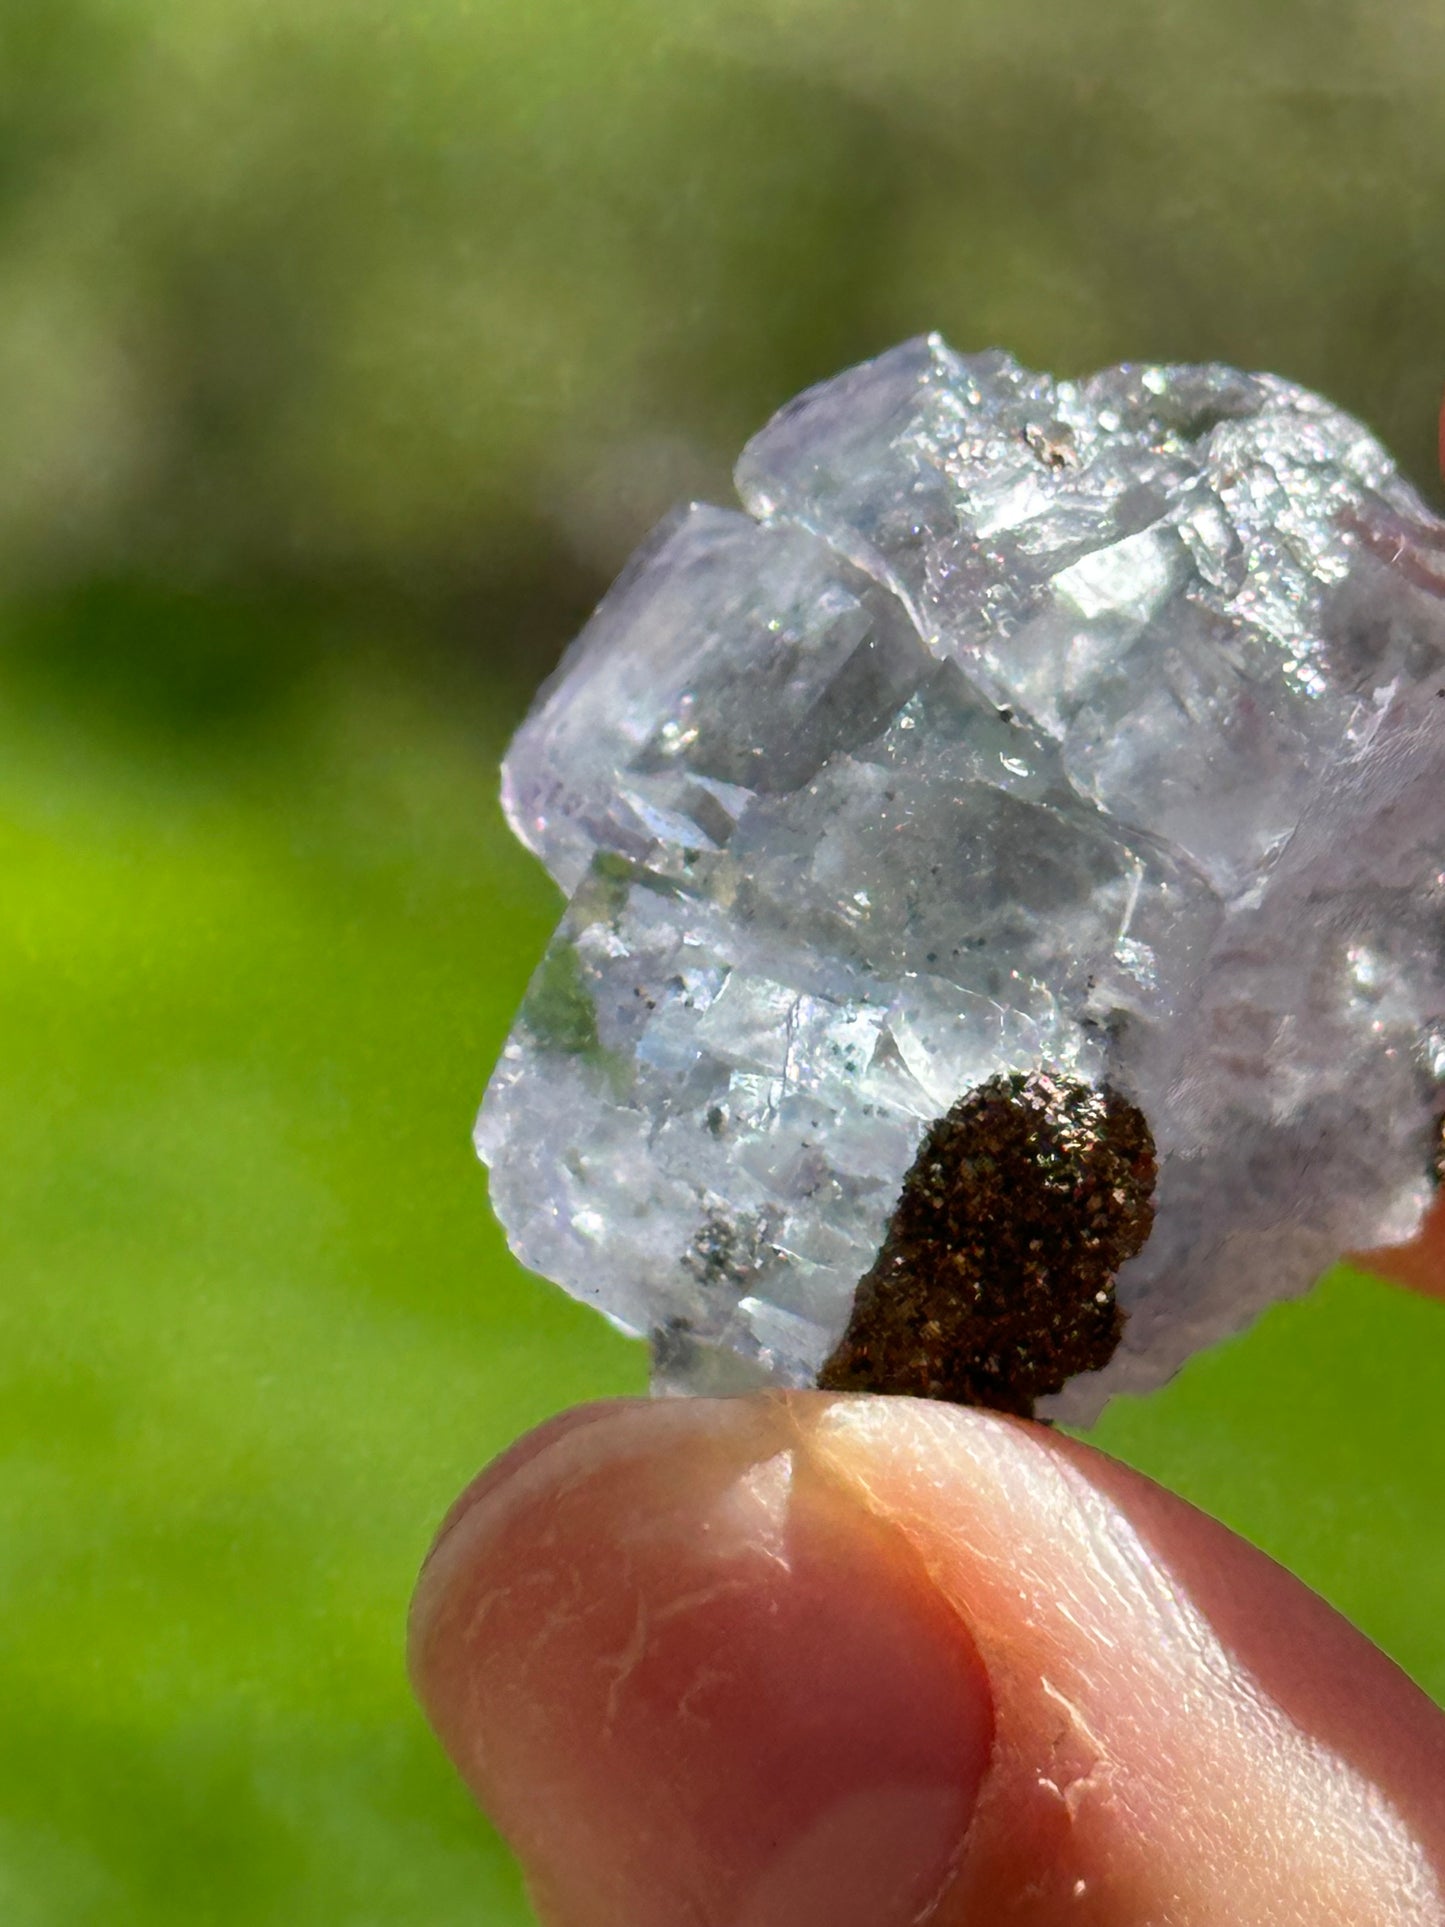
(1039, 780)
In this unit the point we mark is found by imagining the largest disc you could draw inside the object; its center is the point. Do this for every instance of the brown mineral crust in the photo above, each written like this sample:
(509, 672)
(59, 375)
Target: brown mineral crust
(995, 1284)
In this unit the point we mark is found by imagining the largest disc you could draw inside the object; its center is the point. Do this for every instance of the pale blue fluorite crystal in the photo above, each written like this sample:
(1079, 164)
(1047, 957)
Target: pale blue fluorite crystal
(1016, 723)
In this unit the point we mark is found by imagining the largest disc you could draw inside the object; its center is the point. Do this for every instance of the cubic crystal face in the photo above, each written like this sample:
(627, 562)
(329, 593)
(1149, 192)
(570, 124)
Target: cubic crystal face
(1069, 730)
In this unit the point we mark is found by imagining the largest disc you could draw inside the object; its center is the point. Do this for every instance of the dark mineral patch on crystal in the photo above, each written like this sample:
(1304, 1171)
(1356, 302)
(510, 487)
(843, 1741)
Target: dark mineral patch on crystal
(995, 1284)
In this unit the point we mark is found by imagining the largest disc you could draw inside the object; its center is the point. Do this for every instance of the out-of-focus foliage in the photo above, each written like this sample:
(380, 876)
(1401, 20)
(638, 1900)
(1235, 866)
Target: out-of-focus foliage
(450, 300)
(345, 348)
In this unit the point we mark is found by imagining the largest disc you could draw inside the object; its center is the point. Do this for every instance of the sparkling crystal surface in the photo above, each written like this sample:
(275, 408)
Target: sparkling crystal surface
(1014, 725)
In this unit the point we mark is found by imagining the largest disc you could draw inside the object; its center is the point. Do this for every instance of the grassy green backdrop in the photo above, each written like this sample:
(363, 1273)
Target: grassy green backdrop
(345, 348)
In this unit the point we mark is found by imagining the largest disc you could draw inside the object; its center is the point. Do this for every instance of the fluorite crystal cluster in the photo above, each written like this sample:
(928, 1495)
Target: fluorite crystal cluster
(1007, 889)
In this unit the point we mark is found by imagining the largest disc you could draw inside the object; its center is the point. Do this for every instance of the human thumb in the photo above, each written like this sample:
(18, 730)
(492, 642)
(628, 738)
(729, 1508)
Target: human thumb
(861, 1662)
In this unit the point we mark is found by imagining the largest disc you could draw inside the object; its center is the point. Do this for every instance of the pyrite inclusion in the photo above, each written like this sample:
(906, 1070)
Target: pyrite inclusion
(1019, 730)
(995, 1283)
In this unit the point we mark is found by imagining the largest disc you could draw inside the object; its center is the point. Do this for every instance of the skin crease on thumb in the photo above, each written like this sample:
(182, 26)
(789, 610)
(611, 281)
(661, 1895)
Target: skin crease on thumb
(701, 1658)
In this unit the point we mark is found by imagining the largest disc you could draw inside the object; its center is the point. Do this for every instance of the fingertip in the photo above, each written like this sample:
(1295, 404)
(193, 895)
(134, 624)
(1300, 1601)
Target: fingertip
(692, 1677)
(509, 1463)
(801, 1657)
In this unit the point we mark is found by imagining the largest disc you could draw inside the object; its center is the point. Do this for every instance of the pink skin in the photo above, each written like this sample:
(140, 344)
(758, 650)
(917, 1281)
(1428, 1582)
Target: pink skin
(805, 1661)
(858, 1662)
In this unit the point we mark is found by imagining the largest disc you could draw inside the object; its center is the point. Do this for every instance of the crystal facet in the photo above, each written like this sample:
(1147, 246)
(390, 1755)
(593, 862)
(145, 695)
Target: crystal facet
(1075, 731)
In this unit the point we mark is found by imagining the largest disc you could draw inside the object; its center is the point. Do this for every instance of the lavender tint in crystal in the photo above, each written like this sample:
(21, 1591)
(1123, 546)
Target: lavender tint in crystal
(1017, 726)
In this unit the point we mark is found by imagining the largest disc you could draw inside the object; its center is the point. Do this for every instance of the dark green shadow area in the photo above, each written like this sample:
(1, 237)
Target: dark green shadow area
(190, 670)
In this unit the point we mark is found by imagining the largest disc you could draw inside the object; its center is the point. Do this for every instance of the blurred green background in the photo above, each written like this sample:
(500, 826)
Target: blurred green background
(345, 350)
